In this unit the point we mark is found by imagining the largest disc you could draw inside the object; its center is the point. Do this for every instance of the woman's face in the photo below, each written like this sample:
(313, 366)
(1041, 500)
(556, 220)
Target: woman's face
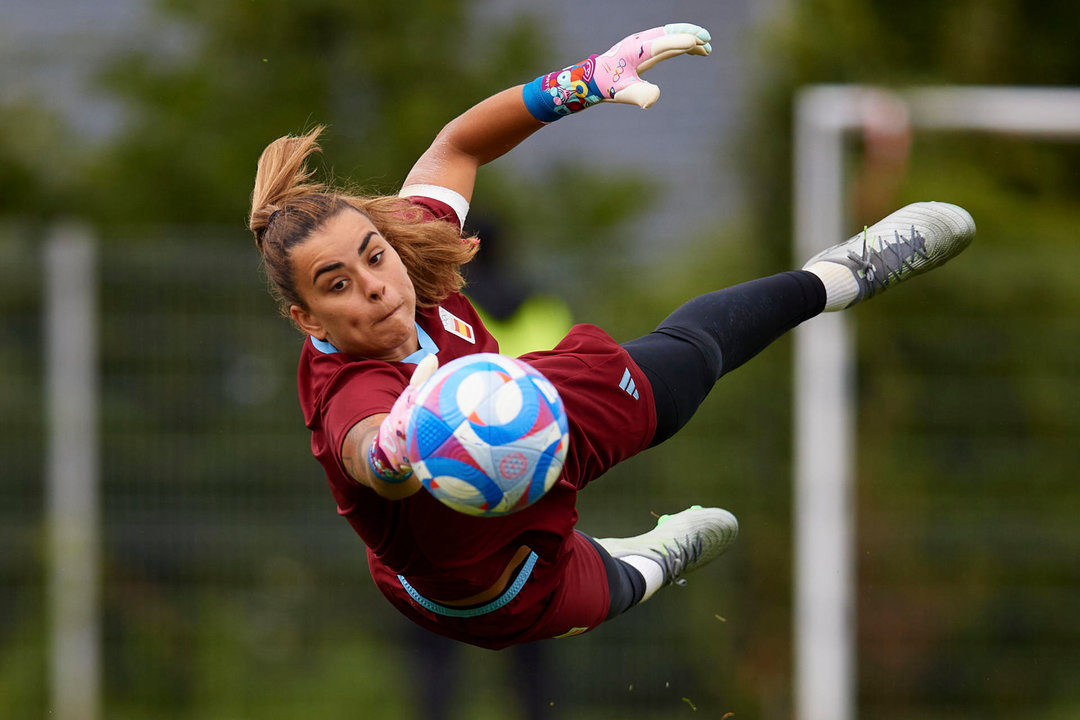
(358, 294)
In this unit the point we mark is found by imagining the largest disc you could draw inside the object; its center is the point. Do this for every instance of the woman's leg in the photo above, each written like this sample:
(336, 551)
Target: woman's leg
(636, 567)
(715, 333)
(626, 584)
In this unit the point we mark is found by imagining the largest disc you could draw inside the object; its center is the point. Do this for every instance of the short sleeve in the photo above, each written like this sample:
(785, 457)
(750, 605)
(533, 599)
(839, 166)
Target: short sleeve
(444, 203)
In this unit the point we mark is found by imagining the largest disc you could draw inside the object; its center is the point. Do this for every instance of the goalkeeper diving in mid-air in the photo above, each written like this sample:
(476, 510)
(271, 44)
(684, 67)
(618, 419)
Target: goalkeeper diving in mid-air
(374, 285)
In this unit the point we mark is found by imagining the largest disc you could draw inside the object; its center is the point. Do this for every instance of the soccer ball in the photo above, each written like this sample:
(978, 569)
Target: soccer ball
(487, 435)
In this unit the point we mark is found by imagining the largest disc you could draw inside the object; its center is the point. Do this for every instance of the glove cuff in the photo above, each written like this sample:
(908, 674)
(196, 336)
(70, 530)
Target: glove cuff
(558, 94)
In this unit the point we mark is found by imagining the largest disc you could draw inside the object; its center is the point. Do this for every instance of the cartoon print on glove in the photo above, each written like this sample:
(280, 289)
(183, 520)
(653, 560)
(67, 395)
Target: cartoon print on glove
(572, 89)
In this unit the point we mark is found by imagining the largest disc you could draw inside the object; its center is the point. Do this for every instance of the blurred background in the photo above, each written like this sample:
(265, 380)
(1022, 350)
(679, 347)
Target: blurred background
(229, 588)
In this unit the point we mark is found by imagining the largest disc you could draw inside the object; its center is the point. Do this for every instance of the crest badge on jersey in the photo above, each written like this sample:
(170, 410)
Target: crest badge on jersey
(456, 326)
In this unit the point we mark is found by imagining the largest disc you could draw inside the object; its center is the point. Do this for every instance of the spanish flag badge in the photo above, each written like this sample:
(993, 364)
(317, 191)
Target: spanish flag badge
(456, 326)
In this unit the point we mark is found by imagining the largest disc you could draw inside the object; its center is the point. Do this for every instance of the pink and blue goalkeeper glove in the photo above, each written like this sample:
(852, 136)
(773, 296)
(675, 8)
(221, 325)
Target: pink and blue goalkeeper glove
(387, 455)
(615, 75)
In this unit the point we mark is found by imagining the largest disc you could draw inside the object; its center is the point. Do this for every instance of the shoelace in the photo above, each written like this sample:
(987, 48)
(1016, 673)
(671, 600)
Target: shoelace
(889, 258)
(674, 561)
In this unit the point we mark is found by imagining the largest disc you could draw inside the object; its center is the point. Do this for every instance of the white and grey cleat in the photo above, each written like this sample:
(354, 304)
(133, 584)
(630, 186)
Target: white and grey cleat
(680, 543)
(913, 240)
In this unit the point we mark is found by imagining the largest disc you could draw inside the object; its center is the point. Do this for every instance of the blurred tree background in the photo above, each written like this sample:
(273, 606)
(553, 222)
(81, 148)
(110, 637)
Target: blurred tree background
(232, 590)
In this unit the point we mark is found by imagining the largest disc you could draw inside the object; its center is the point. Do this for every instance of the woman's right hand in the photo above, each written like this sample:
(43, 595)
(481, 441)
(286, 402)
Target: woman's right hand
(388, 453)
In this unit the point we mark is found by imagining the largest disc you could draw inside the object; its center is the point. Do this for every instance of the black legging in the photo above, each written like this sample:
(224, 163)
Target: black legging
(715, 333)
(694, 347)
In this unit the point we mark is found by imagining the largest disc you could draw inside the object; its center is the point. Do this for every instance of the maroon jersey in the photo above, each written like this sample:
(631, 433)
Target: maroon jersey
(446, 554)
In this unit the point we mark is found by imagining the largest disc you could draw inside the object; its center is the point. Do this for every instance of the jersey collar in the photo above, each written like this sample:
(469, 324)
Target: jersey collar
(427, 347)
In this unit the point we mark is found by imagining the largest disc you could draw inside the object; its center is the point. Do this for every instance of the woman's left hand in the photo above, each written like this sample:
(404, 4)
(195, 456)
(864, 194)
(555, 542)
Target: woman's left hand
(617, 73)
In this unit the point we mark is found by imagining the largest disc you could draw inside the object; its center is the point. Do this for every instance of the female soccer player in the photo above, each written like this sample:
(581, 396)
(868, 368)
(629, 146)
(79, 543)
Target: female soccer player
(373, 282)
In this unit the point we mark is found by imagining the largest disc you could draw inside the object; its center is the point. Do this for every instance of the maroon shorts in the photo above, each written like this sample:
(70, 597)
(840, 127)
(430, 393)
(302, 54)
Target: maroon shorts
(611, 414)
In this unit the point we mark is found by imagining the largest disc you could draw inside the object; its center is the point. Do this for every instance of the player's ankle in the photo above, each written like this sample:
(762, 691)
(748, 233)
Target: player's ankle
(650, 570)
(841, 287)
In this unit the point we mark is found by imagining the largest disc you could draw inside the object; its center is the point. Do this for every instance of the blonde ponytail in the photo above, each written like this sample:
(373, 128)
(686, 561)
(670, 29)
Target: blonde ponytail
(282, 174)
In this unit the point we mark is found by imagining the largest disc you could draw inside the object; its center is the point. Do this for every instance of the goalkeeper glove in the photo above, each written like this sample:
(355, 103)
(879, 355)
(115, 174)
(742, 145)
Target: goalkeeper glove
(387, 454)
(613, 76)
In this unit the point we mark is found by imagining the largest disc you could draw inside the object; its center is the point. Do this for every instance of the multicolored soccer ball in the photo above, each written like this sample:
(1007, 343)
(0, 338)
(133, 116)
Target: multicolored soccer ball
(487, 435)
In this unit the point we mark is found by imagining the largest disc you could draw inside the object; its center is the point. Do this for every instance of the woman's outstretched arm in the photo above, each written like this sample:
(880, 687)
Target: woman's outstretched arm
(481, 134)
(499, 123)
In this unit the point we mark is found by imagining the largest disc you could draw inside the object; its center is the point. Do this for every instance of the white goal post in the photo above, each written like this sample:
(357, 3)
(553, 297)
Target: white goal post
(72, 476)
(824, 413)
